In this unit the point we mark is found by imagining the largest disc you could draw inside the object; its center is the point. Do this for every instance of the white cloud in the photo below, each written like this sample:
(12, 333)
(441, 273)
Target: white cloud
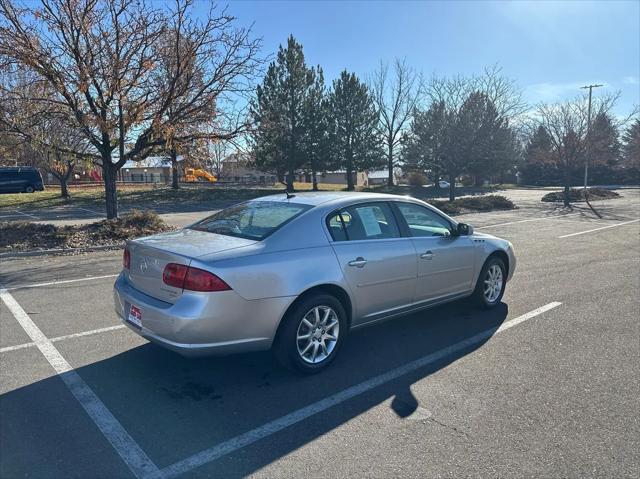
(630, 80)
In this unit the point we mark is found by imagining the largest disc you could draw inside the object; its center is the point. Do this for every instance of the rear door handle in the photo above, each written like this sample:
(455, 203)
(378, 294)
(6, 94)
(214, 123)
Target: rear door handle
(359, 262)
(427, 255)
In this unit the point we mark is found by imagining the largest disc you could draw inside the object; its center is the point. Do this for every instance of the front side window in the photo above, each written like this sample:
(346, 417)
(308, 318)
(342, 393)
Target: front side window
(365, 221)
(424, 222)
(252, 220)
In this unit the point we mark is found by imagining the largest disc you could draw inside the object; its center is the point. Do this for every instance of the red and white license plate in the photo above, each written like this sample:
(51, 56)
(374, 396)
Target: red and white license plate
(135, 316)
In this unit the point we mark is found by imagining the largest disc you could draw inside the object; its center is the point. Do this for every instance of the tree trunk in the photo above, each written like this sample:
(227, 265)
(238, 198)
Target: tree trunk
(314, 180)
(64, 189)
(109, 174)
(174, 169)
(290, 178)
(452, 186)
(349, 172)
(567, 186)
(390, 165)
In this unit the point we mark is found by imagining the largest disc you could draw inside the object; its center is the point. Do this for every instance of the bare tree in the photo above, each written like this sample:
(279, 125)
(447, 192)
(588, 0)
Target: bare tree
(566, 124)
(396, 94)
(39, 129)
(102, 59)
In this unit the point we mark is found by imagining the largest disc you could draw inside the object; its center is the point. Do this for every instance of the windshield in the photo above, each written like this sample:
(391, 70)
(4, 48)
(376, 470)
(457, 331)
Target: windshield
(252, 220)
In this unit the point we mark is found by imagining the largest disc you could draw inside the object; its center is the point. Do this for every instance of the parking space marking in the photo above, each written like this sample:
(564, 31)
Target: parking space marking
(90, 211)
(64, 281)
(130, 452)
(266, 430)
(529, 220)
(598, 229)
(66, 336)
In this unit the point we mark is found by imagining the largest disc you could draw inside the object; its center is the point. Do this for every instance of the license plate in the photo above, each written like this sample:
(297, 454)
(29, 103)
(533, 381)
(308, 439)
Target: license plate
(135, 316)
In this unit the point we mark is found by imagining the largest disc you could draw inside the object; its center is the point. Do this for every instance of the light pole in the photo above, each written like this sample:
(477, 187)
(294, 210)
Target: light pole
(586, 160)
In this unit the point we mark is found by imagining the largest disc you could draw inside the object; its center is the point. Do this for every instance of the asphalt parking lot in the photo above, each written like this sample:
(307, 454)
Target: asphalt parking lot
(546, 385)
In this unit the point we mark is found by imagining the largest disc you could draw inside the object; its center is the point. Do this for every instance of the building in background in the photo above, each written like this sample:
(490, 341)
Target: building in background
(154, 169)
(237, 168)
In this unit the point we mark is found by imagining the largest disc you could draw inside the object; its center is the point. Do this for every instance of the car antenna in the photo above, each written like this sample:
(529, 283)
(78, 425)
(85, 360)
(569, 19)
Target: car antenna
(289, 195)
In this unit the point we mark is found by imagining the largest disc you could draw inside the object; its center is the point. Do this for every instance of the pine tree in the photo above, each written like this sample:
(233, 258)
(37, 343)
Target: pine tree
(631, 149)
(357, 145)
(278, 111)
(424, 145)
(605, 141)
(317, 142)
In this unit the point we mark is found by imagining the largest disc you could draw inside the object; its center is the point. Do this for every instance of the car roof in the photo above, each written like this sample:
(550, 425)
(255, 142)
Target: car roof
(316, 198)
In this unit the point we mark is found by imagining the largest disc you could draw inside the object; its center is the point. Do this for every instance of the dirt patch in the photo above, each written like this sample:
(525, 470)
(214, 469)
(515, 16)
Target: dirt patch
(21, 236)
(577, 195)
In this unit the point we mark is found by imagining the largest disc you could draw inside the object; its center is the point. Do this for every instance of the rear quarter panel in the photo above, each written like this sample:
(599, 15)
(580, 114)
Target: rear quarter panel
(279, 273)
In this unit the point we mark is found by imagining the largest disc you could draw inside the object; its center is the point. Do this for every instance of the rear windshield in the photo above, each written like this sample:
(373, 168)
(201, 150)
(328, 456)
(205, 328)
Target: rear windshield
(252, 220)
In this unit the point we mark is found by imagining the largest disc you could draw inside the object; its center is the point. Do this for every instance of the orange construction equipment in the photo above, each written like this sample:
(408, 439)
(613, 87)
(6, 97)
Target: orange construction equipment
(195, 174)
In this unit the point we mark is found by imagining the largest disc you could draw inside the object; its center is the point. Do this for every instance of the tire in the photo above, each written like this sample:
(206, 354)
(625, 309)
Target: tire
(29, 189)
(298, 354)
(483, 296)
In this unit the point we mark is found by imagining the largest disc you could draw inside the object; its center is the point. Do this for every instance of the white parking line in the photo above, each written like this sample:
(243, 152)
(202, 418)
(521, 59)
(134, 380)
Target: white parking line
(598, 229)
(26, 214)
(130, 452)
(277, 425)
(90, 211)
(64, 281)
(66, 336)
(556, 217)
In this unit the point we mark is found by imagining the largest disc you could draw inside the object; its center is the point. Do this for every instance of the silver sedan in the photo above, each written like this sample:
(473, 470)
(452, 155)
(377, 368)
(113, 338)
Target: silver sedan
(296, 272)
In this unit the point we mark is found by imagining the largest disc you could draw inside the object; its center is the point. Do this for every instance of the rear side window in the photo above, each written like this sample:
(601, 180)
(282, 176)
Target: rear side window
(367, 221)
(252, 220)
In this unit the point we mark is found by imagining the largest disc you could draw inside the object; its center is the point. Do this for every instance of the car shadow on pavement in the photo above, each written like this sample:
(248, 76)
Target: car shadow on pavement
(175, 407)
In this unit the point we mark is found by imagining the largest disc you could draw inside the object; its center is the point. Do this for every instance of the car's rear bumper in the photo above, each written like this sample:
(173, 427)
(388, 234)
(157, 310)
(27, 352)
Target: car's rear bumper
(200, 324)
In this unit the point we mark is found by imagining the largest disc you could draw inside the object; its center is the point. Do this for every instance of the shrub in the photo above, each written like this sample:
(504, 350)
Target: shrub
(18, 235)
(577, 194)
(475, 203)
(415, 178)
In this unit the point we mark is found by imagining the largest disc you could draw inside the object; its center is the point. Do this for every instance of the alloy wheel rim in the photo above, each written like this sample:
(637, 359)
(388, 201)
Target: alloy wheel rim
(317, 334)
(493, 283)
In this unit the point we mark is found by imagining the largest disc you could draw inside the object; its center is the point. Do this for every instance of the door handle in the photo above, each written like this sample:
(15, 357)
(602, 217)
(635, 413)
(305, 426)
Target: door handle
(359, 262)
(427, 255)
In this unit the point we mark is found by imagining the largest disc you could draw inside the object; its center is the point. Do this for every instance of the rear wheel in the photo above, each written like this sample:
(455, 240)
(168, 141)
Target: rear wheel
(491, 283)
(312, 334)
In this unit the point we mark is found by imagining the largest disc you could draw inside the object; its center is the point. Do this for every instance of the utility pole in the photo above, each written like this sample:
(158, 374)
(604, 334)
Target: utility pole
(586, 160)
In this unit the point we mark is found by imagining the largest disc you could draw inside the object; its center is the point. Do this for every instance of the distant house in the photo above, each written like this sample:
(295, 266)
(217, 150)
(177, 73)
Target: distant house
(237, 168)
(380, 177)
(153, 169)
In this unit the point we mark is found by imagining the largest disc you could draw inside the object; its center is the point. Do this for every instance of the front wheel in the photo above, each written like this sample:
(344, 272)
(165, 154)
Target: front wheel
(491, 283)
(312, 334)
(29, 189)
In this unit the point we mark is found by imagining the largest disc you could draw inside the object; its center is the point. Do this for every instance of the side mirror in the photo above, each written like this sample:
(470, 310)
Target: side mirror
(464, 229)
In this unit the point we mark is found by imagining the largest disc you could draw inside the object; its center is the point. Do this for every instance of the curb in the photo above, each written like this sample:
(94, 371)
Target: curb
(45, 252)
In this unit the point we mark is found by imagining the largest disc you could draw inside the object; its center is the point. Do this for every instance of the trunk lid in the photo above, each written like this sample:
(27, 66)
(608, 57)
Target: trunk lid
(150, 255)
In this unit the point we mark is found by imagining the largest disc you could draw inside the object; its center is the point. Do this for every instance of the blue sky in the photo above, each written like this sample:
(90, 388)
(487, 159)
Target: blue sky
(550, 47)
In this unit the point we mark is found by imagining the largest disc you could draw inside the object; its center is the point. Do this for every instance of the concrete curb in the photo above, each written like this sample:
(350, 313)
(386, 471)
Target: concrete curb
(45, 252)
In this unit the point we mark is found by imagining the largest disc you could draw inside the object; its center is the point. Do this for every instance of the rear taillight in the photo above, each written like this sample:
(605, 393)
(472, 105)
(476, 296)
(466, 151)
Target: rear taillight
(193, 279)
(126, 259)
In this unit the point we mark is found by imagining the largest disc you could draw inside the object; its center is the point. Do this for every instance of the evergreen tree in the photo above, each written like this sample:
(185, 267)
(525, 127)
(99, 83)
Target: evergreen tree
(357, 145)
(631, 150)
(539, 147)
(424, 145)
(605, 141)
(316, 141)
(278, 111)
